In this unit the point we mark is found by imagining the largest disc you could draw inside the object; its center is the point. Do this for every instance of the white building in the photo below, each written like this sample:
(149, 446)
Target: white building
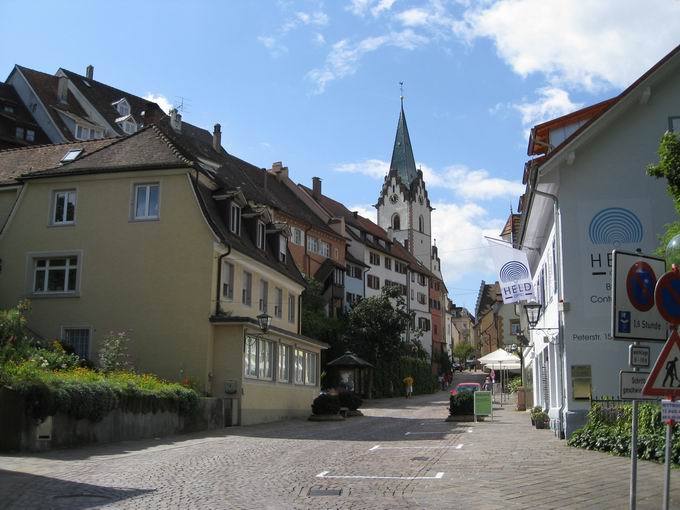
(588, 194)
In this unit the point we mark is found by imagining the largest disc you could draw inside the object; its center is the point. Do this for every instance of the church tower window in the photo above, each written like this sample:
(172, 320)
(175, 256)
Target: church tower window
(396, 223)
(421, 224)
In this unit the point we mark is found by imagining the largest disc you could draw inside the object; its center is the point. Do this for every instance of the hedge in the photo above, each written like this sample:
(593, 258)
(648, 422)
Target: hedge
(85, 394)
(388, 378)
(609, 430)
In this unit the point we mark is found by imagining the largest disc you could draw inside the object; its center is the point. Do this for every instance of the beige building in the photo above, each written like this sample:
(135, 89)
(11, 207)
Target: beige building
(145, 234)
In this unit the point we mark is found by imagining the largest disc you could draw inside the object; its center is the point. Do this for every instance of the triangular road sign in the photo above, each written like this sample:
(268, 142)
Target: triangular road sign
(664, 381)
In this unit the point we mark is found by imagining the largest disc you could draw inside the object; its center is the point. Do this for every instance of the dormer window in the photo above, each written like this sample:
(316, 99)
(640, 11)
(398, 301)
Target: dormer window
(235, 219)
(260, 235)
(71, 155)
(122, 107)
(127, 124)
(87, 133)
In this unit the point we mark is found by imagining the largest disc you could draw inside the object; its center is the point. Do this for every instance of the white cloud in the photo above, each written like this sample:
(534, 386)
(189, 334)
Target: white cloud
(375, 168)
(319, 39)
(467, 183)
(413, 17)
(590, 44)
(459, 230)
(367, 211)
(375, 7)
(552, 102)
(343, 59)
(159, 99)
(272, 44)
(318, 19)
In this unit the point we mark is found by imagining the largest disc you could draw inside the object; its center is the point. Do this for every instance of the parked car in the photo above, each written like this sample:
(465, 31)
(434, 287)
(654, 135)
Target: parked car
(466, 387)
(470, 363)
(457, 366)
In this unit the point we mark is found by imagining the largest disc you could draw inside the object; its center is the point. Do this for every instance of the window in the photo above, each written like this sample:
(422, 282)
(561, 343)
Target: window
(146, 201)
(373, 282)
(352, 299)
(421, 224)
(291, 308)
(421, 280)
(123, 107)
(284, 363)
(324, 249)
(674, 124)
(247, 292)
(374, 258)
(312, 244)
(283, 245)
(227, 281)
(30, 135)
(260, 235)
(82, 133)
(310, 367)
(396, 222)
(338, 277)
(71, 155)
(388, 263)
(129, 127)
(8, 109)
(64, 207)
(354, 271)
(259, 358)
(299, 366)
(57, 275)
(235, 219)
(264, 290)
(424, 324)
(278, 307)
(298, 236)
(19, 133)
(515, 327)
(413, 295)
(400, 267)
(422, 299)
(413, 277)
(406, 244)
(77, 339)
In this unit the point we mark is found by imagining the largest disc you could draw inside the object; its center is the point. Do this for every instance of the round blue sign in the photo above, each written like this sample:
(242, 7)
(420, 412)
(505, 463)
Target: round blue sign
(640, 283)
(667, 297)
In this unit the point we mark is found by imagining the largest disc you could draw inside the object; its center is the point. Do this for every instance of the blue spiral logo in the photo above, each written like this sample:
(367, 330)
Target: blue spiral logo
(616, 226)
(513, 271)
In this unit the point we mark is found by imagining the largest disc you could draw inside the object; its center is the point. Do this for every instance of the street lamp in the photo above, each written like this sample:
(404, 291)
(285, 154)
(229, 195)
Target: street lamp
(264, 321)
(533, 312)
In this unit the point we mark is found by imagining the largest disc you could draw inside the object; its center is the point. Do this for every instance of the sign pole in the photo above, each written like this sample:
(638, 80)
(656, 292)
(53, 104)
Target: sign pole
(667, 464)
(633, 451)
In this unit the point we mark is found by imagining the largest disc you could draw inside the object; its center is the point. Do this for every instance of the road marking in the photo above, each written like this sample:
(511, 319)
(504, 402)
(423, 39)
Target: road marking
(324, 474)
(469, 430)
(441, 432)
(378, 447)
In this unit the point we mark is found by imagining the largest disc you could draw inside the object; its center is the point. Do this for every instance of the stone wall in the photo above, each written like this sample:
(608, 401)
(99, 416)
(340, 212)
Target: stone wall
(21, 433)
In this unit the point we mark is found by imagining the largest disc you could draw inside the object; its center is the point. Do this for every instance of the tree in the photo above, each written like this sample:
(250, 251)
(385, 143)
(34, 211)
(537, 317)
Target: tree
(377, 324)
(462, 350)
(668, 167)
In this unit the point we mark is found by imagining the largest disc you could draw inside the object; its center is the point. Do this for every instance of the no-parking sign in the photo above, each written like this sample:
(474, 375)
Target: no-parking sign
(634, 312)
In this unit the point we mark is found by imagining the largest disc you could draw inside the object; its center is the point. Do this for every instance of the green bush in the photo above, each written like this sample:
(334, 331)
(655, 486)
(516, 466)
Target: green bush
(388, 378)
(462, 403)
(609, 430)
(514, 384)
(85, 394)
(350, 400)
(326, 404)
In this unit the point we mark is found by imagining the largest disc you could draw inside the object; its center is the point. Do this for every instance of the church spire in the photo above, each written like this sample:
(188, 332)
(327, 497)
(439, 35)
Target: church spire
(403, 164)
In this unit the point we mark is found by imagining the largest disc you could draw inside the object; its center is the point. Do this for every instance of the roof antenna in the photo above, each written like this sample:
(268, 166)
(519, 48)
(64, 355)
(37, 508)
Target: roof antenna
(183, 105)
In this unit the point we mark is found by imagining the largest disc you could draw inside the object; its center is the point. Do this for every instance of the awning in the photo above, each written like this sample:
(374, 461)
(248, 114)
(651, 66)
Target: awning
(499, 356)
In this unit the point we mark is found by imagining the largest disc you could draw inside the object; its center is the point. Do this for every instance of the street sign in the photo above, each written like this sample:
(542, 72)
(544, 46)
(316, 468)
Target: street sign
(664, 380)
(631, 384)
(482, 401)
(638, 356)
(670, 410)
(634, 314)
(667, 296)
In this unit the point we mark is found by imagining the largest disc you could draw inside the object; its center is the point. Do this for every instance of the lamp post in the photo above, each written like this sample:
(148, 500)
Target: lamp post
(264, 321)
(533, 312)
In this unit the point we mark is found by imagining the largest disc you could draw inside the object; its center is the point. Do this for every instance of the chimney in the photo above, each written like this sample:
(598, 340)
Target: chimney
(176, 120)
(280, 171)
(89, 72)
(217, 138)
(316, 188)
(62, 90)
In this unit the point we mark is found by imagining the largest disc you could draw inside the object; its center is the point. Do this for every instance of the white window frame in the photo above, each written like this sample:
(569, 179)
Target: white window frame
(298, 366)
(298, 236)
(128, 126)
(312, 244)
(324, 249)
(55, 198)
(291, 307)
(261, 237)
(263, 352)
(264, 296)
(247, 289)
(283, 362)
(67, 268)
(278, 306)
(146, 216)
(62, 338)
(235, 219)
(227, 281)
(123, 103)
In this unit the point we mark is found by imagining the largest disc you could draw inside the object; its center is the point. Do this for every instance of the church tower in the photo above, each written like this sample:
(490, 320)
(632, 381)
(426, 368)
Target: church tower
(403, 206)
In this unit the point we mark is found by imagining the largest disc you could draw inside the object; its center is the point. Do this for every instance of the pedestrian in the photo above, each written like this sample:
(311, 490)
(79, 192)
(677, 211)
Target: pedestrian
(440, 379)
(408, 382)
(487, 384)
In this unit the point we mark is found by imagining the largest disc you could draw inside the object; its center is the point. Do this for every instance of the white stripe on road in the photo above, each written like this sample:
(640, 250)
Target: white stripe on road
(441, 432)
(438, 476)
(378, 447)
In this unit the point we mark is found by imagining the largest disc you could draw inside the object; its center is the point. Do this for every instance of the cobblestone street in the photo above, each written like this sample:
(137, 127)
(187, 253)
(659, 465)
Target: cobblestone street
(402, 454)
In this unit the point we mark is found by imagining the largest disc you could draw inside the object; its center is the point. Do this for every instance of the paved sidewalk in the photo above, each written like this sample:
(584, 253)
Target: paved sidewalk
(391, 458)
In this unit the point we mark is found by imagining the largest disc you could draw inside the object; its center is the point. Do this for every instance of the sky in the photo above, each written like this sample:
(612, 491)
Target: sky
(315, 84)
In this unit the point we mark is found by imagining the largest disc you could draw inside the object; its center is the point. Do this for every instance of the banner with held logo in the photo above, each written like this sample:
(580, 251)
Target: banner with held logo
(512, 268)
